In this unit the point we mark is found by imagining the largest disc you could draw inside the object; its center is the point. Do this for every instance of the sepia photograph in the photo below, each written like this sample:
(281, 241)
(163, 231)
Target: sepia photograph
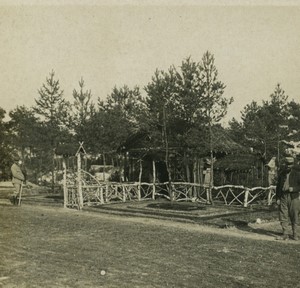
(149, 143)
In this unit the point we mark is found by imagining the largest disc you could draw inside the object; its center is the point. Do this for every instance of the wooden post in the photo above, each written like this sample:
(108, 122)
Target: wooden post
(106, 193)
(270, 195)
(154, 179)
(125, 167)
(80, 198)
(246, 197)
(211, 182)
(130, 174)
(124, 193)
(187, 168)
(101, 195)
(140, 180)
(207, 195)
(65, 183)
(104, 167)
(207, 184)
(200, 166)
(262, 174)
(195, 176)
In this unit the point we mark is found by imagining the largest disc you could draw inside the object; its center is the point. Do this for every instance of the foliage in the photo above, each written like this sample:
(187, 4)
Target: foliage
(54, 118)
(83, 110)
(128, 102)
(183, 105)
(293, 120)
(162, 106)
(6, 147)
(182, 109)
(264, 126)
(23, 125)
(192, 98)
(52, 110)
(214, 105)
(117, 118)
(51, 105)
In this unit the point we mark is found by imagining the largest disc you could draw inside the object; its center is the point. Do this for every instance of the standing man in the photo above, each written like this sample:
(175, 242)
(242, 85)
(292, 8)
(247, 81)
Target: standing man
(17, 179)
(288, 197)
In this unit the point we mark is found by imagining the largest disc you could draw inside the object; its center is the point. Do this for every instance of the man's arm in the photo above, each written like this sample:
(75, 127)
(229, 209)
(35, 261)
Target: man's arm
(17, 172)
(279, 185)
(295, 181)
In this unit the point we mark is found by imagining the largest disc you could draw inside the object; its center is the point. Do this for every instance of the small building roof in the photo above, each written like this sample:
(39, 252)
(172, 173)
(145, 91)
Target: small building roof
(140, 143)
(238, 162)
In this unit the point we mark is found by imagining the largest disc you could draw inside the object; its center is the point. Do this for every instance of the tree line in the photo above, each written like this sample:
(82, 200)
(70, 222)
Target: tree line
(179, 109)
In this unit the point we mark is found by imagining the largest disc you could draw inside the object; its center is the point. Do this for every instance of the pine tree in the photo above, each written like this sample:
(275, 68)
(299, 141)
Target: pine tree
(53, 111)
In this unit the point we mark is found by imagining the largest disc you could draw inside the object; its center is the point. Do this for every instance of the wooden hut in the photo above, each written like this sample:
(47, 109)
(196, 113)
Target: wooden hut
(246, 169)
(187, 164)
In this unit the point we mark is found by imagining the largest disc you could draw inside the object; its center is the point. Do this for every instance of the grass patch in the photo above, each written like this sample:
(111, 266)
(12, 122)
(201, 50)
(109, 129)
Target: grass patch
(53, 247)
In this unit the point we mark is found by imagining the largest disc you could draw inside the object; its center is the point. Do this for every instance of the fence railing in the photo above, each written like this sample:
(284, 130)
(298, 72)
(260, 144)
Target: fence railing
(243, 195)
(111, 192)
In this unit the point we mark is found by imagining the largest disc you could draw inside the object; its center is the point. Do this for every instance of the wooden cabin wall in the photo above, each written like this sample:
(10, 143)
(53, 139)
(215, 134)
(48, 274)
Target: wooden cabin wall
(183, 170)
(251, 178)
(191, 169)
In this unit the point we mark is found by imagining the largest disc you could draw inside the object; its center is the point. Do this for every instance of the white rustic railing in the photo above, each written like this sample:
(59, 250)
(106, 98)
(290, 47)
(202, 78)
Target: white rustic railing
(97, 193)
(243, 195)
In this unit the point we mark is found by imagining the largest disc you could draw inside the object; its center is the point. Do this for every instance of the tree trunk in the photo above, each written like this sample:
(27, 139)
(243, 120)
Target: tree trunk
(154, 179)
(104, 167)
(53, 172)
(140, 179)
(211, 182)
(65, 183)
(195, 170)
(167, 154)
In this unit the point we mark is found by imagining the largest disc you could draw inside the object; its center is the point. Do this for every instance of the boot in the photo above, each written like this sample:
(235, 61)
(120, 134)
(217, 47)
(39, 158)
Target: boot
(284, 235)
(295, 234)
(11, 199)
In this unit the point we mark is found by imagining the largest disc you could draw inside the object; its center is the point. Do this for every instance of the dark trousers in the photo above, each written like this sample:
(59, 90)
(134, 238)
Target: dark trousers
(289, 209)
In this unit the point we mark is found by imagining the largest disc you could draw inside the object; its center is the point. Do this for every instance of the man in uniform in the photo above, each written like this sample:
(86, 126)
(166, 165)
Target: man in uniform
(17, 179)
(288, 197)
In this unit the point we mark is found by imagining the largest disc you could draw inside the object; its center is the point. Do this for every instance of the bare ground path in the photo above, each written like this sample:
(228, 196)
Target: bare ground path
(42, 246)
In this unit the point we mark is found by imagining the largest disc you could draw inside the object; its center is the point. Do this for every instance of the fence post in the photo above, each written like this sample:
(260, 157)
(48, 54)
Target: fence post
(246, 197)
(270, 189)
(124, 193)
(101, 195)
(65, 183)
(207, 195)
(106, 193)
(154, 179)
(80, 198)
(140, 180)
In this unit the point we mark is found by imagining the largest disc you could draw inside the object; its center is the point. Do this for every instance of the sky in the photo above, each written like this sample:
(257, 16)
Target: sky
(256, 44)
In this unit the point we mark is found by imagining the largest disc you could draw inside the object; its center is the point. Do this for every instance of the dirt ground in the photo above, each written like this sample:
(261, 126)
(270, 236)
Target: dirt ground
(48, 246)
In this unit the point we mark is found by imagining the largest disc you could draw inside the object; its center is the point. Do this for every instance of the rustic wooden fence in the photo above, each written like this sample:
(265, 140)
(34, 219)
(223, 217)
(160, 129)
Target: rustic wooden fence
(90, 192)
(82, 188)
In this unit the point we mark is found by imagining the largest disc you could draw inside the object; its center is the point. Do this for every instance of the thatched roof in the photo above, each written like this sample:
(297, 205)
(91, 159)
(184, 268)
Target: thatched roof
(222, 143)
(237, 162)
(140, 142)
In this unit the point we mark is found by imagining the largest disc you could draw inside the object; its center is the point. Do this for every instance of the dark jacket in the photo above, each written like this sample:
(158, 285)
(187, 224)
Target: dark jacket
(294, 181)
